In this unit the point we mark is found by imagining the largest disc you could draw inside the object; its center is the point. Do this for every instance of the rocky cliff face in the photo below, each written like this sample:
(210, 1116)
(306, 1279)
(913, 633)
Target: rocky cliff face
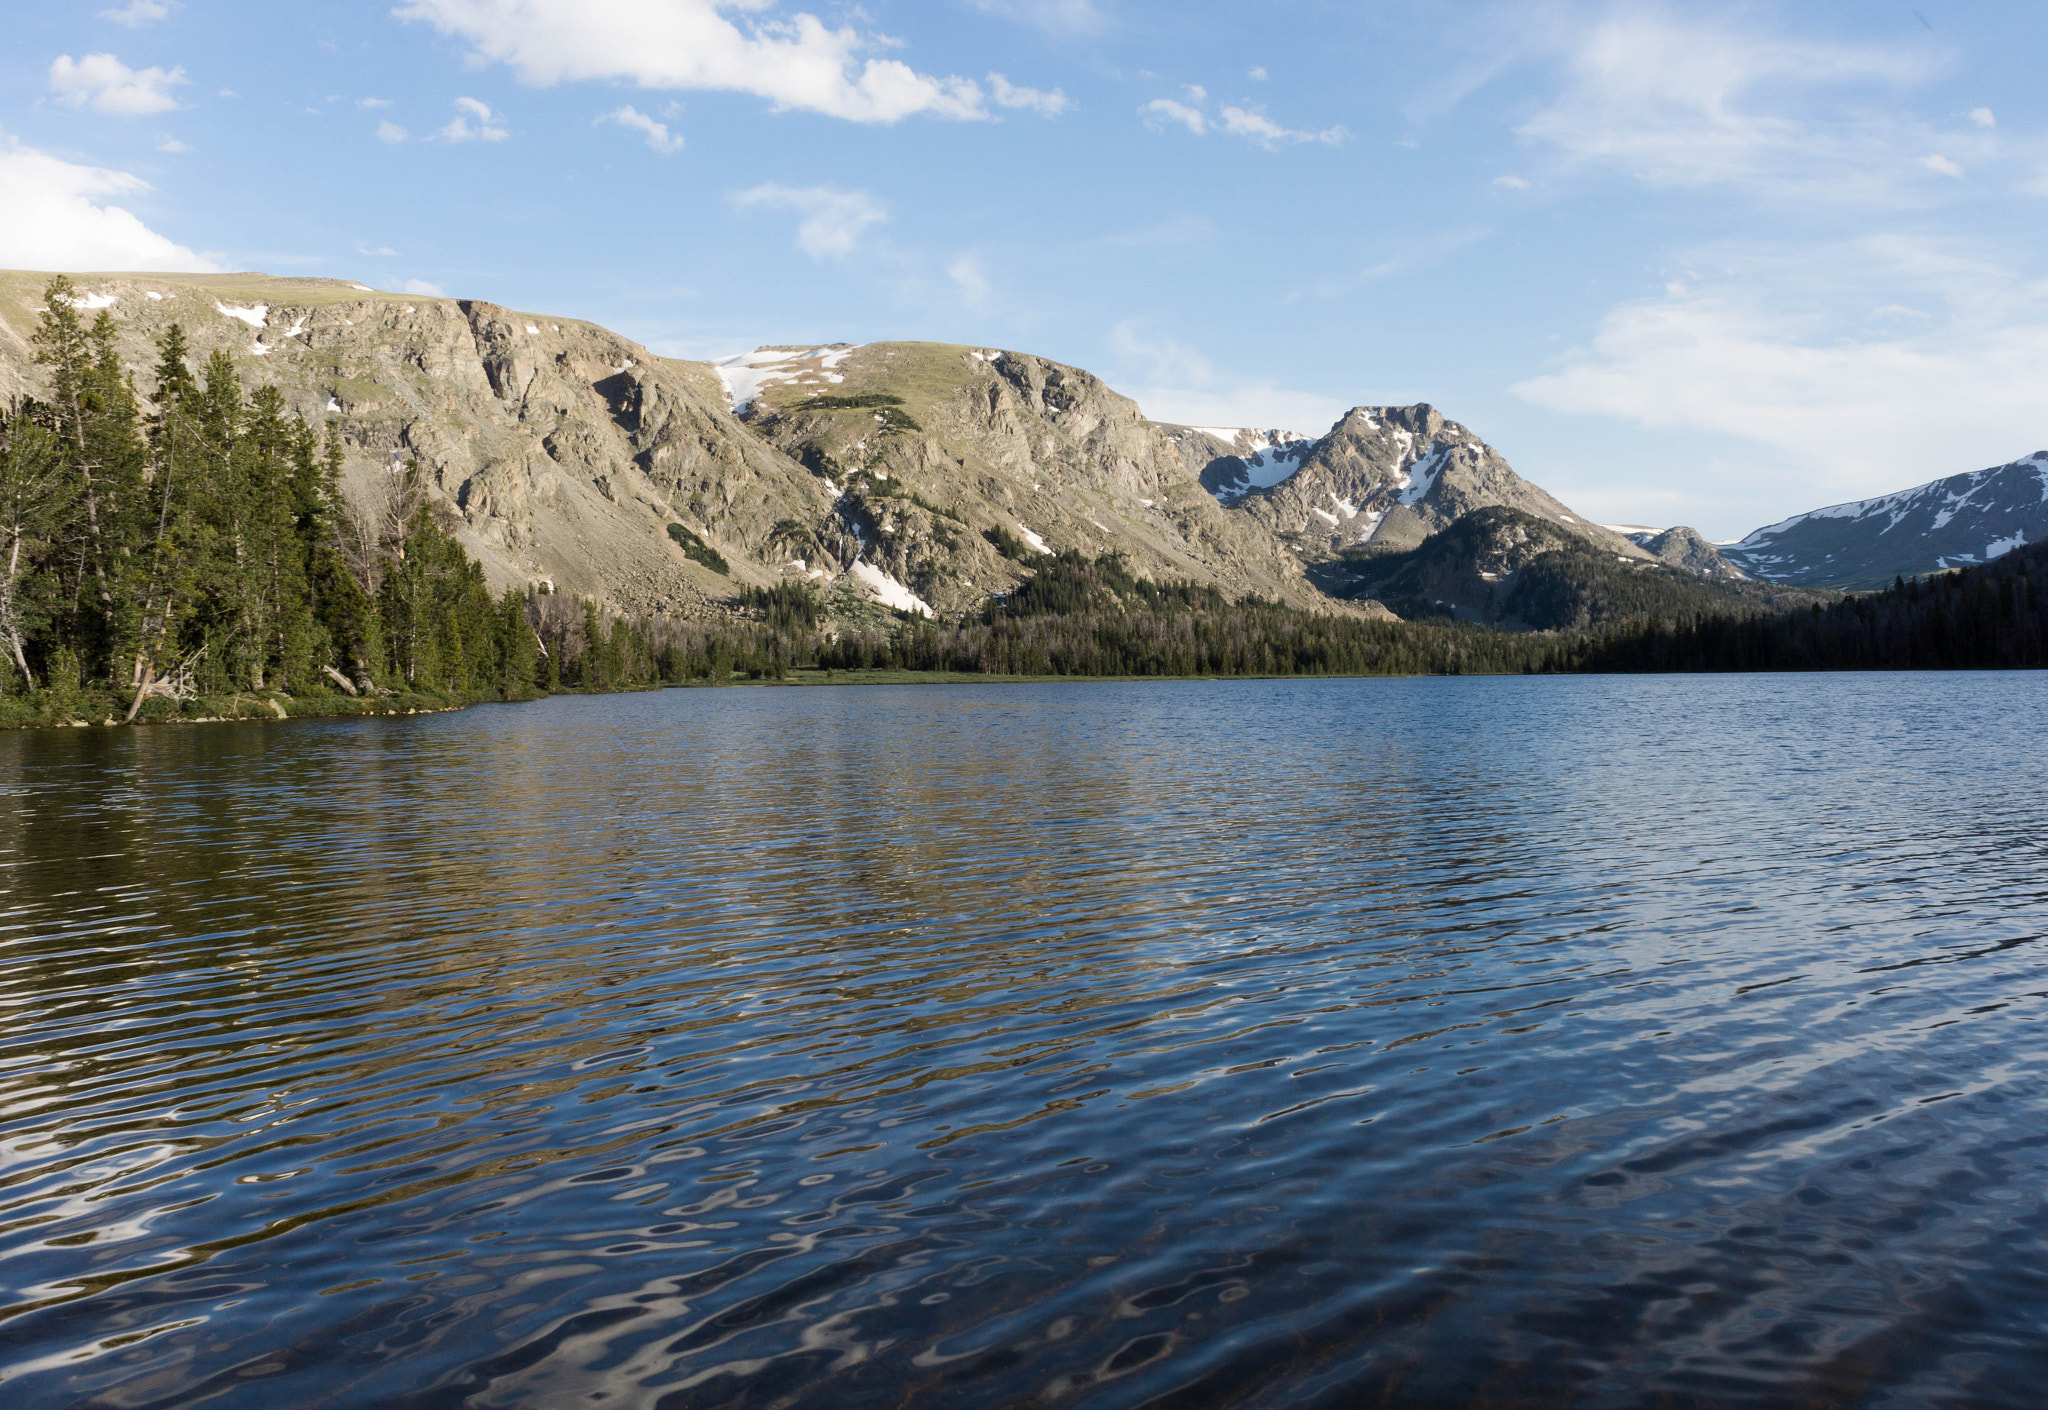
(560, 452)
(1951, 523)
(931, 450)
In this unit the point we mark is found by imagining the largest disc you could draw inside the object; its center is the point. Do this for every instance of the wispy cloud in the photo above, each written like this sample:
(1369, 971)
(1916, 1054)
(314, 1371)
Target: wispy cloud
(1250, 122)
(1790, 350)
(970, 281)
(1011, 95)
(390, 132)
(106, 85)
(832, 221)
(489, 125)
(1246, 122)
(138, 13)
(656, 134)
(1175, 383)
(1054, 16)
(424, 287)
(1161, 113)
(797, 62)
(1675, 99)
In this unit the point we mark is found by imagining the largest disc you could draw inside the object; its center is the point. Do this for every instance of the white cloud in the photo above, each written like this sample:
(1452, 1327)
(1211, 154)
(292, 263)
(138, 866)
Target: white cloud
(657, 133)
(1671, 100)
(1010, 95)
(1248, 122)
(488, 124)
(1512, 183)
(138, 13)
(58, 218)
(968, 278)
(373, 102)
(1983, 117)
(106, 85)
(1161, 112)
(1178, 385)
(1936, 162)
(422, 287)
(688, 44)
(1787, 357)
(384, 250)
(1257, 74)
(1057, 16)
(833, 221)
(390, 132)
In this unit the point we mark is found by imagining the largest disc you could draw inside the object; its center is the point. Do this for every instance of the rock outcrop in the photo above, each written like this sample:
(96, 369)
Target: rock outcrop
(1685, 548)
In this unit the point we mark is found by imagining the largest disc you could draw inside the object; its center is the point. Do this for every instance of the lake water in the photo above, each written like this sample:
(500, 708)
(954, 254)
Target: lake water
(1506, 1042)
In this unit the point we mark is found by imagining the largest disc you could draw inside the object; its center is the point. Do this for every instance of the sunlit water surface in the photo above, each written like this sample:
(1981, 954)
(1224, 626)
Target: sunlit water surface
(1555, 1042)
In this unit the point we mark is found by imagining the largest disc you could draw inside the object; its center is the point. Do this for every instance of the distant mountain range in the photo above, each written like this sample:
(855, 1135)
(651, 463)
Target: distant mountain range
(1956, 522)
(928, 478)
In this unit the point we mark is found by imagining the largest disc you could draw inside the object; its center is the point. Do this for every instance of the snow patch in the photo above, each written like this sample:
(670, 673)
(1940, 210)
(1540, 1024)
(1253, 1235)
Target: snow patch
(256, 315)
(296, 328)
(153, 294)
(363, 287)
(1998, 548)
(1033, 539)
(746, 375)
(94, 301)
(888, 591)
(333, 404)
(533, 330)
(1419, 479)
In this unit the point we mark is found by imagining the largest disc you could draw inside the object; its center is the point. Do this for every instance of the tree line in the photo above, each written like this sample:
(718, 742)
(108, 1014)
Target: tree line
(1994, 615)
(196, 544)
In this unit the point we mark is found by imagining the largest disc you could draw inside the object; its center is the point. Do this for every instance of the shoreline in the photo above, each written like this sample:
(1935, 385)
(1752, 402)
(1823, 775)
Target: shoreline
(248, 709)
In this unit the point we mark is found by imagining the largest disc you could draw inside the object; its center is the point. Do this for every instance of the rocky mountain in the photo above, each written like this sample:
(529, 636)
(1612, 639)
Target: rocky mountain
(1504, 567)
(1951, 523)
(1232, 461)
(1384, 475)
(924, 477)
(1683, 548)
(559, 452)
(951, 468)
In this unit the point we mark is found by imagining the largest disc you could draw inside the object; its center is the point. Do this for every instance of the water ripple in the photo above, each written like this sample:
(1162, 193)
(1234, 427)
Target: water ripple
(1518, 1042)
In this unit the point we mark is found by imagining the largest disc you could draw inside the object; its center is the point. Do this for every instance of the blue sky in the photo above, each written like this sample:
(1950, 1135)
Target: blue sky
(1700, 263)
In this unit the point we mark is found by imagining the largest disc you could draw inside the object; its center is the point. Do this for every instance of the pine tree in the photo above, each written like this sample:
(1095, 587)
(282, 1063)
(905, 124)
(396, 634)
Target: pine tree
(35, 495)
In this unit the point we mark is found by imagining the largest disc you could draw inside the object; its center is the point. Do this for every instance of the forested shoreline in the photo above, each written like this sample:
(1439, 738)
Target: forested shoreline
(193, 555)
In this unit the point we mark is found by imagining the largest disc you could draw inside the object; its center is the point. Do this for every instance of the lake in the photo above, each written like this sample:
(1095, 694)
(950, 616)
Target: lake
(1590, 1042)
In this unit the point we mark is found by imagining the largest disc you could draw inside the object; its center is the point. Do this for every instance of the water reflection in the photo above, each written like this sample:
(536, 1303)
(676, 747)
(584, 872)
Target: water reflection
(1411, 1042)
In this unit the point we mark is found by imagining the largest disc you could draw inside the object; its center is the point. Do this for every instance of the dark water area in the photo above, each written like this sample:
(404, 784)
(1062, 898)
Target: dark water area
(1506, 1042)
